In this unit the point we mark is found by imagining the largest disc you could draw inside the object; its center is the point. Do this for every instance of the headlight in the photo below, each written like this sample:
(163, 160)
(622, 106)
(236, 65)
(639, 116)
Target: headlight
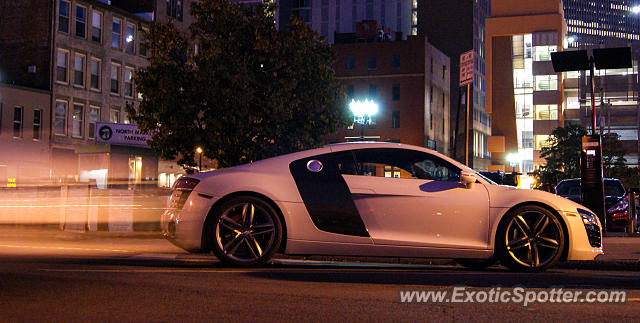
(588, 217)
(622, 205)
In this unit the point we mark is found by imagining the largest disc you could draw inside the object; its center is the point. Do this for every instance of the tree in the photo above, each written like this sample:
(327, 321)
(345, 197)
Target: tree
(250, 92)
(563, 153)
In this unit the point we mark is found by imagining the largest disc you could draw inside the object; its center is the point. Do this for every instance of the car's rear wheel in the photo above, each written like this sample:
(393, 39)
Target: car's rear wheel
(530, 238)
(245, 231)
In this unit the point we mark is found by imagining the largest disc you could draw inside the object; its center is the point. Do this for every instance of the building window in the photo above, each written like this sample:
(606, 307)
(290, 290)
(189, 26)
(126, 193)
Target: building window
(17, 122)
(77, 120)
(542, 141)
(372, 91)
(94, 116)
(63, 16)
(351, 63)
(95, 74)
(143, 42)
(116, 31)
(61, 66)
(395, 119)
(395, 92)
(114, 116)
(543, 53)
(350, 91)
(546, 82)
(128, 82)
(372, 62)
(81, 21)
(174, 9)
(444, 71)
(129, 38)
(78, 70)
(527, 139)
(546, 112)
(96, 26)
(115, 78)
(395, 60)
(37, 123)
(60, 121)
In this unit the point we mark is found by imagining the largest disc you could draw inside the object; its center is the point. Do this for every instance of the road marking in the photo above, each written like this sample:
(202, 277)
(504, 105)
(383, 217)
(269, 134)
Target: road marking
(64, 248)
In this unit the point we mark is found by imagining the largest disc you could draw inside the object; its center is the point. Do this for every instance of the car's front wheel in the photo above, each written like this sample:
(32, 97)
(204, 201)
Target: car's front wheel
(245, 231)
(530, 238)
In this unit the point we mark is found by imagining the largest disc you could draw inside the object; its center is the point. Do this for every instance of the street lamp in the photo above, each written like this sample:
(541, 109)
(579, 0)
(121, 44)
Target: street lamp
(635, 9)
(199, 151)
(514, 160)
(362, 112)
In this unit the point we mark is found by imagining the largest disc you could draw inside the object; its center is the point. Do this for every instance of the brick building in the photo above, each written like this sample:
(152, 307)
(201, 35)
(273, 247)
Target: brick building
(408, 79)
(86, 53)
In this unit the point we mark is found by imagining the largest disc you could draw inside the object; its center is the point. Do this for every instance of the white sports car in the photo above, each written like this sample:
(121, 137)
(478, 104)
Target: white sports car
(375, 199)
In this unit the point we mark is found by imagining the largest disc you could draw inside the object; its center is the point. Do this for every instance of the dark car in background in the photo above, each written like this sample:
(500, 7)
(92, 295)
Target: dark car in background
(616, 201)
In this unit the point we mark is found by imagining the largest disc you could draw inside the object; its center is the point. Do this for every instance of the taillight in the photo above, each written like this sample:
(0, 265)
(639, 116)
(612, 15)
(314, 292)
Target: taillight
(185, 183)
(181, 191)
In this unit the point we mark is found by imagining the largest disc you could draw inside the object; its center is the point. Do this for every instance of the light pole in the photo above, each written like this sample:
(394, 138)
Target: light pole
(362, 112)
(199, 151)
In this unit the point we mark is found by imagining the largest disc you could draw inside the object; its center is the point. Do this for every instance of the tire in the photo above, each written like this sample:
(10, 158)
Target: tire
(244, 231)
(476, 263)
(530, 239)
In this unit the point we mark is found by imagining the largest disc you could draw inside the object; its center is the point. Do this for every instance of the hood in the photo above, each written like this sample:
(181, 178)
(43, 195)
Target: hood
(609, 201)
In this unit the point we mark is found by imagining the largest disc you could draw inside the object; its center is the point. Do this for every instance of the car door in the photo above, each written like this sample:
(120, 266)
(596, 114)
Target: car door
(413, 198)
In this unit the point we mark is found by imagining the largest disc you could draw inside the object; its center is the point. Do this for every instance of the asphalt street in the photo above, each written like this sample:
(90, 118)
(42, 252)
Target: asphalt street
(73, 277)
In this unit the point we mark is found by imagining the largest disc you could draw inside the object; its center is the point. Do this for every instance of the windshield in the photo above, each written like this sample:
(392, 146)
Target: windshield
(465, 168)
(611, 188)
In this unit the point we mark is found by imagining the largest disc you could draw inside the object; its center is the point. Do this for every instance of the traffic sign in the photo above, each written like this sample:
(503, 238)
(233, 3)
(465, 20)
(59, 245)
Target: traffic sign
(466, 68)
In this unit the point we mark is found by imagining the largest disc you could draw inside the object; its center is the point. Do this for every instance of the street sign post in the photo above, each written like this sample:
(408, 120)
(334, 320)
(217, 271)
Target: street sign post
(466, 78)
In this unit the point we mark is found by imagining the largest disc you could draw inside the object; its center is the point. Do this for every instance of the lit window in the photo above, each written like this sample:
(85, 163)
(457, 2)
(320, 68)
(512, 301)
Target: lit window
(114, 116)
(395, 119)
(546, 82)
(546, 112)
(129, 38)
(542, 141)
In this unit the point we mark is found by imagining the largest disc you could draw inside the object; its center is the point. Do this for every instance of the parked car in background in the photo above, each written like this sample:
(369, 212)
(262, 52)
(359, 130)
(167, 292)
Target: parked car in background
(616, 201)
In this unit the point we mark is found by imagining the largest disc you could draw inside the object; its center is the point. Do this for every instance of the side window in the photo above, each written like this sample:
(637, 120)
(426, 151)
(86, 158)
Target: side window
(402, 163)
(346, 163)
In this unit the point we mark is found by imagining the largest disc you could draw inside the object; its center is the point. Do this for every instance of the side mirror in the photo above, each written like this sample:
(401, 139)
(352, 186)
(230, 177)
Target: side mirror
(468, 179)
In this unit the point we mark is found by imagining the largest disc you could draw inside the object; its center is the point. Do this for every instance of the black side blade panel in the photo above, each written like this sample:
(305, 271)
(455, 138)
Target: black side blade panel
(327, 198)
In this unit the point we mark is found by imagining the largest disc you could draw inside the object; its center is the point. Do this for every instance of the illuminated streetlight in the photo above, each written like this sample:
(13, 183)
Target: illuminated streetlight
(572, 39)
(514, 160)
(199, 151)
(362, 112)
(635, 9)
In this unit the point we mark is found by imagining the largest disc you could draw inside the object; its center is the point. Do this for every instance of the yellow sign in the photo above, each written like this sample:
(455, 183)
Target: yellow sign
(11, 182)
